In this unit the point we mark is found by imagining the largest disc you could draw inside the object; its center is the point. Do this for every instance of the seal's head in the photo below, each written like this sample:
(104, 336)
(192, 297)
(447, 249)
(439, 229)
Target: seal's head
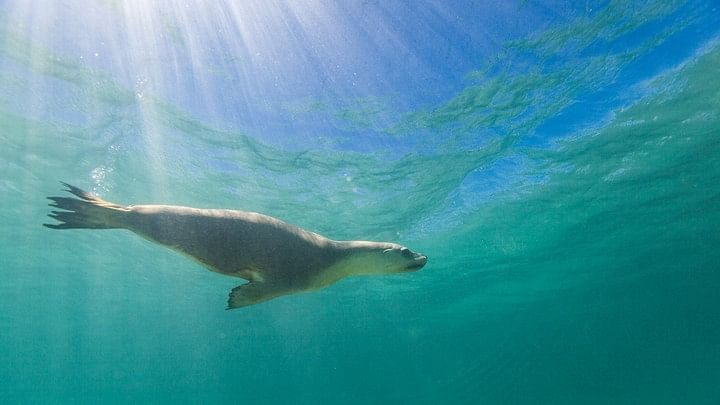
(398, 259)
(380, 258)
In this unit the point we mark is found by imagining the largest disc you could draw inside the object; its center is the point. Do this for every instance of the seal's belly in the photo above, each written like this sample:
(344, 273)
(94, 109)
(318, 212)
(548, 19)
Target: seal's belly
(230, 245)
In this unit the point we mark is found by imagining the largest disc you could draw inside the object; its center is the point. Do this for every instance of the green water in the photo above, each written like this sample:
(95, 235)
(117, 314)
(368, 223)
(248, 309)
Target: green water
(590, 277)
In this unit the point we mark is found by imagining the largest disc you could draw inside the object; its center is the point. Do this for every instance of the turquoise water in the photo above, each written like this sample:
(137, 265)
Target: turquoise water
(559, 166)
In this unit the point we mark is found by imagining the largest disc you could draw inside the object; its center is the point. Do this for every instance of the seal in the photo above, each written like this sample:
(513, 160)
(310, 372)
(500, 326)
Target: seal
(276, 258)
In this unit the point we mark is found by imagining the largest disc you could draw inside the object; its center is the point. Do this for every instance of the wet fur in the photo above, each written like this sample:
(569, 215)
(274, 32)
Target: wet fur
(275, 257)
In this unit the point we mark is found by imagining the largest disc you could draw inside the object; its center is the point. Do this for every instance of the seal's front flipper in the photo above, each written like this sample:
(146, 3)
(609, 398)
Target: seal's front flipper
(251, 293)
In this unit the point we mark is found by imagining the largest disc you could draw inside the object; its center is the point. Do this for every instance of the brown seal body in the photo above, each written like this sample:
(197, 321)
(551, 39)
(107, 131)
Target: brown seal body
(275, 257)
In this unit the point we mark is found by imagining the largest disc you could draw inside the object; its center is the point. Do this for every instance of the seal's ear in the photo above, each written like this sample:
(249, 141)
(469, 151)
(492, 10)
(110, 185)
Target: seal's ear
(387, 250)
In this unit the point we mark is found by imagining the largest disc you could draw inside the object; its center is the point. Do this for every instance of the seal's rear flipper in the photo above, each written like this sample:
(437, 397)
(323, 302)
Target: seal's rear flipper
(87, 211)
(251, 293)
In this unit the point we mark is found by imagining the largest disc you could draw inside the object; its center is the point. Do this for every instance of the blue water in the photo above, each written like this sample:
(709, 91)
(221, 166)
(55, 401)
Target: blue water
(558, 162)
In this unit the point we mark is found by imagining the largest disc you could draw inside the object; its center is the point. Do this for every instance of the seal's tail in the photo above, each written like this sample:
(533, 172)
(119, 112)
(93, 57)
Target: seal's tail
(86, 211)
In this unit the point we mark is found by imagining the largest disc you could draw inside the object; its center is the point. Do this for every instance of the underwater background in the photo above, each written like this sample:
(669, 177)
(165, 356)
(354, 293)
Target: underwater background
(559, 163)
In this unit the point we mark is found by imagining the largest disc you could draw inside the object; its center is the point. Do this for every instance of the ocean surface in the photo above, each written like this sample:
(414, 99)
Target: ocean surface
(558, 162)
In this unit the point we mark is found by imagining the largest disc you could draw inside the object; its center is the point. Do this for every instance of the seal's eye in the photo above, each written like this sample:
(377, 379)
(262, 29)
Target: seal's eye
(406, 253)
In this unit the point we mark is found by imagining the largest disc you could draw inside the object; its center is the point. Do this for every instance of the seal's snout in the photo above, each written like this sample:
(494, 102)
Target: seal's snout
(419, 260)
